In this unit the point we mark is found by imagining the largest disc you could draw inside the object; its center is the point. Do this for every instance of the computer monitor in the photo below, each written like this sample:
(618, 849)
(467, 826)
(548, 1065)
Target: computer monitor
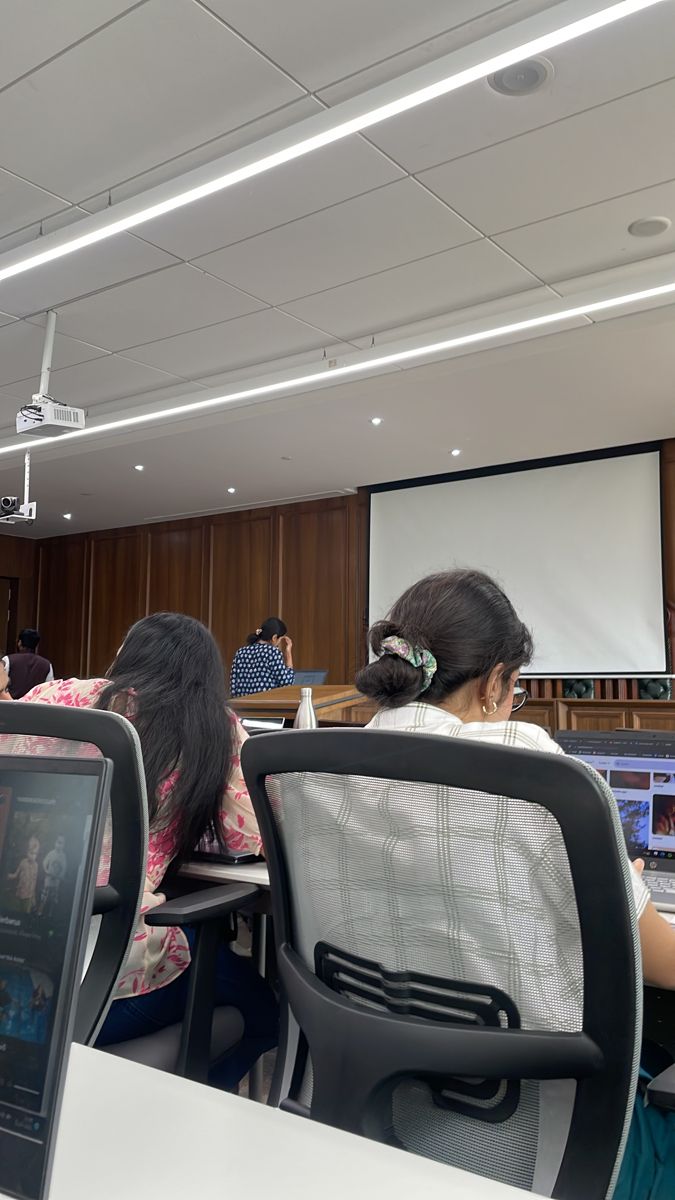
(51, 820)
(639, 766)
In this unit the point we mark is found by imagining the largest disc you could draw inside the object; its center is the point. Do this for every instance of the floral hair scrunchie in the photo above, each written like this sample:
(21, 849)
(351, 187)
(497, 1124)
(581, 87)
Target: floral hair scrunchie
(413, 655)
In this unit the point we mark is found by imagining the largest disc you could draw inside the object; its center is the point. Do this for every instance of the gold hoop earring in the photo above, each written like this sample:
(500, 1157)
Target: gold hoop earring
(492, 711)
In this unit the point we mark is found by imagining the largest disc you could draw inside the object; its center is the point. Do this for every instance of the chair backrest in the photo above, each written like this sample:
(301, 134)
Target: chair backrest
(441, 911)
(310, 678)
(33, 730)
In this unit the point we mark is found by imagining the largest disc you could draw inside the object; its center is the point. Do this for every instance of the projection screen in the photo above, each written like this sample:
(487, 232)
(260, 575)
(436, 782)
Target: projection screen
(577, 548)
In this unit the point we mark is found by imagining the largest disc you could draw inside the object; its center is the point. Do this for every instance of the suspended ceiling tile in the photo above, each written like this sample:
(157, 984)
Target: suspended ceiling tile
(320, 43)
(382, 229)
(594, 238)
(617, 148)
(144, 89)
(99, 381)
(441, 283)
(258, 338)
(155, 306)
(595, 69)
(324, 178)
(21, 352)
(21, 203)
(206, 152)
(89, 270)
(33, 31)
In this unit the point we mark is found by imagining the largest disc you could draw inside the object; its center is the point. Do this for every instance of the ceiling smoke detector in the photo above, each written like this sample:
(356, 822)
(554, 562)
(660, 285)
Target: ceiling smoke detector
(522, 78)
(649, 226)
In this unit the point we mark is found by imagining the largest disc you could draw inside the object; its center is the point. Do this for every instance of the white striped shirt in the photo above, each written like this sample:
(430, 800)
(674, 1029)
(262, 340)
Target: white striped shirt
(428, 718)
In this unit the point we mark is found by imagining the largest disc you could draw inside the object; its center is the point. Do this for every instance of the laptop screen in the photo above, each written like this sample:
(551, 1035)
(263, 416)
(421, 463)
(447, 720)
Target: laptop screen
(640, 769)
(49, 826)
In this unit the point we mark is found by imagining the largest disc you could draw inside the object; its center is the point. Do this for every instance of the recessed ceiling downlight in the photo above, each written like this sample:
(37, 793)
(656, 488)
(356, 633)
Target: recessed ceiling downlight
(522, 78)
(649, 226)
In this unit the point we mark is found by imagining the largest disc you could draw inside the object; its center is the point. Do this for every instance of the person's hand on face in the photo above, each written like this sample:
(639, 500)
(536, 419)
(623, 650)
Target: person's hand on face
(285, 643)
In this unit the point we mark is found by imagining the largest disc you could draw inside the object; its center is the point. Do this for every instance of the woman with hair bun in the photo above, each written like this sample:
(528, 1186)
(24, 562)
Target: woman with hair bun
(448, 659)
(265, 662)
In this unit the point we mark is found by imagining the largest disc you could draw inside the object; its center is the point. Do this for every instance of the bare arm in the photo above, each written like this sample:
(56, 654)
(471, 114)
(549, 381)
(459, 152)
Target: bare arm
(657, 942)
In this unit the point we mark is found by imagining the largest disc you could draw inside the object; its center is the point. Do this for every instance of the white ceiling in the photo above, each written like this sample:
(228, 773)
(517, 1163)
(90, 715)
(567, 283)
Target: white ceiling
(469, 206)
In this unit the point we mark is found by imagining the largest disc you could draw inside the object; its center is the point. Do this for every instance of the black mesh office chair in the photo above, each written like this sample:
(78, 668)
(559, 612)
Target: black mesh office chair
(441, 913)
(37, 729)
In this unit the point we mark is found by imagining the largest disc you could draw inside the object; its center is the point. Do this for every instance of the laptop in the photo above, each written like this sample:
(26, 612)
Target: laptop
(51, 824)
(639, 766)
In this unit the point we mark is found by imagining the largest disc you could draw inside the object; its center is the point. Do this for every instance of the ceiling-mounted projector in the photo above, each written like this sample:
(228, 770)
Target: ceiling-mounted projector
(47, 418)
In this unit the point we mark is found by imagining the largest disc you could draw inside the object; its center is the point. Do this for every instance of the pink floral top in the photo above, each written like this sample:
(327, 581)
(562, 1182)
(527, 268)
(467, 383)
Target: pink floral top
(158, 956)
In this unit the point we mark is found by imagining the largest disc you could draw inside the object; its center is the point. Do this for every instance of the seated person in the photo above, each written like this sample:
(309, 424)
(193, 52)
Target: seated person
(449, 655)
(27, 668)
(168, 679)
(265, 662)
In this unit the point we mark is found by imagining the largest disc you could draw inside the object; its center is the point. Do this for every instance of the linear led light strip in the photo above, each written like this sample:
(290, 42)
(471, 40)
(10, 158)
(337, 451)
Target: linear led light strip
(331, 376)
(352, 116)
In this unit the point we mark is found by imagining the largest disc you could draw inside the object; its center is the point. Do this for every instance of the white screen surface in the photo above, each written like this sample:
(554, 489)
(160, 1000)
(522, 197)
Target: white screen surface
(577, 548)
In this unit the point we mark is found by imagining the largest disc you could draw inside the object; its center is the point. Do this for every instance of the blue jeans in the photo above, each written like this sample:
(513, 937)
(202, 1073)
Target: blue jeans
(237, 983)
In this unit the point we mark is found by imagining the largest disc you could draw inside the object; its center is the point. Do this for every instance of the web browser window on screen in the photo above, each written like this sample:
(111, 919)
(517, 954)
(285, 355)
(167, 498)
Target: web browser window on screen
(645, 793)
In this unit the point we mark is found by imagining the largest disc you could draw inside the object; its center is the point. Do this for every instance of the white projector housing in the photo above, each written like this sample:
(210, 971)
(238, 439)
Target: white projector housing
(46, 418)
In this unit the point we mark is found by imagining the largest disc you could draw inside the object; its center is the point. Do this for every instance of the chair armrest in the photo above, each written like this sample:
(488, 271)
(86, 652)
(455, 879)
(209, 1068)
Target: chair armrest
(106, 899)
(661, 1091)
(198, 907)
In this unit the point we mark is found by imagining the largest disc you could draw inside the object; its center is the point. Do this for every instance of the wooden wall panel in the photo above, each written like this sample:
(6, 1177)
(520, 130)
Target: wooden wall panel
(313, 585)
(175, 570)
(241, 592)
(117, 592)
(62, 605)
(18, 560)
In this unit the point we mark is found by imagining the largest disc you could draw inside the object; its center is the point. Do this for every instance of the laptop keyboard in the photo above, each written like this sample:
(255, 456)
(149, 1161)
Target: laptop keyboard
(661, 887)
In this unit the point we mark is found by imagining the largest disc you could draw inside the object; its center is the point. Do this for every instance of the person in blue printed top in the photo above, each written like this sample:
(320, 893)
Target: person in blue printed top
(265, 662)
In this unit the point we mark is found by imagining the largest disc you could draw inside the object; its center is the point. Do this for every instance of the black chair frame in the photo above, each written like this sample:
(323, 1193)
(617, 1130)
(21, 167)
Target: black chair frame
(357, 1053)
(117, 903)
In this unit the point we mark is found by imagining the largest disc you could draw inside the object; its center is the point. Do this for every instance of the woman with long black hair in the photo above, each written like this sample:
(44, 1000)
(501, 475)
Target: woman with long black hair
(168, 680)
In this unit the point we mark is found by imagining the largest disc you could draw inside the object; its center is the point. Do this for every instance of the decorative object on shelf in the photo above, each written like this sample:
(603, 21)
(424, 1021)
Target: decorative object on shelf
(579, 689)
(655, 689)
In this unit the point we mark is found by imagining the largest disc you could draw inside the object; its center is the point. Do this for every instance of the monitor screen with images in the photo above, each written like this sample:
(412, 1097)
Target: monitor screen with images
(641, 774)
(50, 822)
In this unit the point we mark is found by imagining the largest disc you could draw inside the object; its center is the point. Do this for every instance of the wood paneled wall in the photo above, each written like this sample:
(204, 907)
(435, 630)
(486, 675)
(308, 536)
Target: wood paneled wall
(18, 559)
(304, 562)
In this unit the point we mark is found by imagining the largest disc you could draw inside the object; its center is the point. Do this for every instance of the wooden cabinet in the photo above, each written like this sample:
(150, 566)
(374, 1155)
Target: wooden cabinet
(607, 715)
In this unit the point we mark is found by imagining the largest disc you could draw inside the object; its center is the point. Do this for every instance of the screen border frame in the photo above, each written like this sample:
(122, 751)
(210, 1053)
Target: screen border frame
(73, 963)
(535, 464)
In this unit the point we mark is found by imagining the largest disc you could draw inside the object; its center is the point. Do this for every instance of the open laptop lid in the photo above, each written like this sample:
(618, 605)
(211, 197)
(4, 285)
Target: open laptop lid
(639, 766)
(51, 824)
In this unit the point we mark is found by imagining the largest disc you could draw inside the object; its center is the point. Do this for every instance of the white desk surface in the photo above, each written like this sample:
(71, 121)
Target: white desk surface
(128, 1131)
(256, 872)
